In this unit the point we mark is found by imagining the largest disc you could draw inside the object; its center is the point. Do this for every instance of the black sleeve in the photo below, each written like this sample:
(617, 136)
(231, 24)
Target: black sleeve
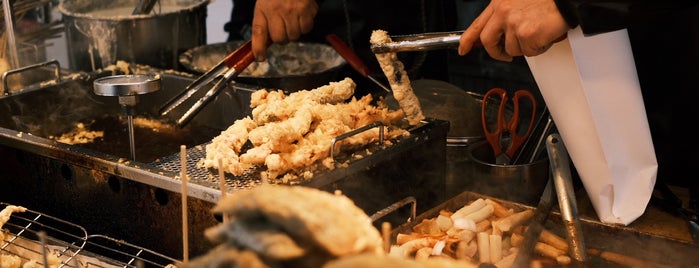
(599, 16)
(238, 27)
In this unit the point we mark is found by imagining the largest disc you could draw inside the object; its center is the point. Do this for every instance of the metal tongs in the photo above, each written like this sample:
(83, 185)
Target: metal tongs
(419, 42)
(227, 69)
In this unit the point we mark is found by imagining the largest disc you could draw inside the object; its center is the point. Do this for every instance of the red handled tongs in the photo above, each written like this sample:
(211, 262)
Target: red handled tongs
(227, 69)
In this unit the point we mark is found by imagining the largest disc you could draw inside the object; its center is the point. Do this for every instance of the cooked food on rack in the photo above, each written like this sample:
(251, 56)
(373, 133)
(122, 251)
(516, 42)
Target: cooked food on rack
(290, 136)
(288, 226)
(398, 79)
(482, 231)
(6, 213)
(15, 255)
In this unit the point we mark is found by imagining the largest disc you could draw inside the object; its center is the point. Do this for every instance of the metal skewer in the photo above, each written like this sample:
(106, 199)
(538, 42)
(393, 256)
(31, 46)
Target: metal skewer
(419, 42)
(560, 168)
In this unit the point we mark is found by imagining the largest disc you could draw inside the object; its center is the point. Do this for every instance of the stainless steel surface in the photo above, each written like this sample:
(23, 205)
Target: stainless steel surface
(98, 33)
(560, 171)
(419, 42)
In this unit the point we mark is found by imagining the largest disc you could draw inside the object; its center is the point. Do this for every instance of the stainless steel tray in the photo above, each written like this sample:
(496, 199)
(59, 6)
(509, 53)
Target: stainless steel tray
(655, 251)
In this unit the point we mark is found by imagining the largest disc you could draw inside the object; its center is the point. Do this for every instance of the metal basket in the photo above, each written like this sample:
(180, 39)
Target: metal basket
(31, 235)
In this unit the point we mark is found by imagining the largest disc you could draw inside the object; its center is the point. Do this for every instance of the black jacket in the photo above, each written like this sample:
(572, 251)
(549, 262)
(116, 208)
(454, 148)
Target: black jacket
(598, 16)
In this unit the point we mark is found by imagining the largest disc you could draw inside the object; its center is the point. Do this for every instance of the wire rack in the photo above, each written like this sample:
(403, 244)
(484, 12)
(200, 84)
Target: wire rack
(110, 252)
(32, 236)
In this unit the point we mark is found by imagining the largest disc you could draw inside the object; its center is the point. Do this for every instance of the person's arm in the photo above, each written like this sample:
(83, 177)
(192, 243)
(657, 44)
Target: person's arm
(509, 28)
(280, 21)
(600, 16)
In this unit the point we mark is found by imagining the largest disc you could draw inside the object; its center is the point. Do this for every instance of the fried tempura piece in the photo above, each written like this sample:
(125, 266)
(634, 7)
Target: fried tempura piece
(398, 79)
(5, 216)
(227, 146)
(275, 106)
(258, 235)
(295, 132)
(310, 216)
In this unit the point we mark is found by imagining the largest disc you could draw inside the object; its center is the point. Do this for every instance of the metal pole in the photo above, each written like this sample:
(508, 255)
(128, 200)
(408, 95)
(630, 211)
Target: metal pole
(10, 30)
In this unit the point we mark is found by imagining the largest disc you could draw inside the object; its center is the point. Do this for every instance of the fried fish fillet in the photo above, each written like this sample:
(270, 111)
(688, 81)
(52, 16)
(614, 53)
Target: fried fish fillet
(310, 216)
(398, 79)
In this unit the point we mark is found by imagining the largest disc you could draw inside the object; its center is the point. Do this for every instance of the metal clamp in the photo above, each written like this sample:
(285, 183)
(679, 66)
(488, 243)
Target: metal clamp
(57, 73)
(355, 132)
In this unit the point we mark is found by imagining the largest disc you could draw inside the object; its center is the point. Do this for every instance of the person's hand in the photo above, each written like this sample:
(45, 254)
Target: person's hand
(509, 28)
(280, 21)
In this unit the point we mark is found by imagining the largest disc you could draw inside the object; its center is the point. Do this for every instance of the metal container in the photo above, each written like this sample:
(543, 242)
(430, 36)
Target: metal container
(291, 67)
(609, 245)
(519, 183)
(98, 33)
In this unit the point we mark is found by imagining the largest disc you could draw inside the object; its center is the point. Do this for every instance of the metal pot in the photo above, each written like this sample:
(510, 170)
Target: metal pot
(294, 66)
(519, 183)
(98, 33)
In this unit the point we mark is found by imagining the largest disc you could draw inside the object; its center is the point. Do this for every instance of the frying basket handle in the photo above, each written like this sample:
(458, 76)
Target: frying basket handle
(57, 73)
(355, 132)
(410, 200)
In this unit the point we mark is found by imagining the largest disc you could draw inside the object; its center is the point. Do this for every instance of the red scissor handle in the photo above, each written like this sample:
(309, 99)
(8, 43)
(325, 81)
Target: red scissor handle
(513, 124)
(493, 137)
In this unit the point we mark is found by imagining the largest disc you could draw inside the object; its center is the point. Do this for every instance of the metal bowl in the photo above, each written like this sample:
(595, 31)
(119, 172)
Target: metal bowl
(294, 66)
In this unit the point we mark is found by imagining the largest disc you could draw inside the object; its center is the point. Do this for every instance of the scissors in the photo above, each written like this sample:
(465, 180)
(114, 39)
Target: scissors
(506, 138)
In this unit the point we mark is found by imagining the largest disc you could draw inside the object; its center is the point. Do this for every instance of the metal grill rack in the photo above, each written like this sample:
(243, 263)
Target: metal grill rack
(251, 178)
(117, 253)
(30, 234)
(203, 176)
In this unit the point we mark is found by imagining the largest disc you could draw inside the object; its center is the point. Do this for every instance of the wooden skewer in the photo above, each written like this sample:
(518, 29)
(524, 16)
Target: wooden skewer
(44, 252)
(222, 185)
(386, 234)
(183, 177)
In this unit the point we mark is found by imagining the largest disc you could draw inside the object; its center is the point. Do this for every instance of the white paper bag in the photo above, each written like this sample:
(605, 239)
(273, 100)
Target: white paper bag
(591, 88)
